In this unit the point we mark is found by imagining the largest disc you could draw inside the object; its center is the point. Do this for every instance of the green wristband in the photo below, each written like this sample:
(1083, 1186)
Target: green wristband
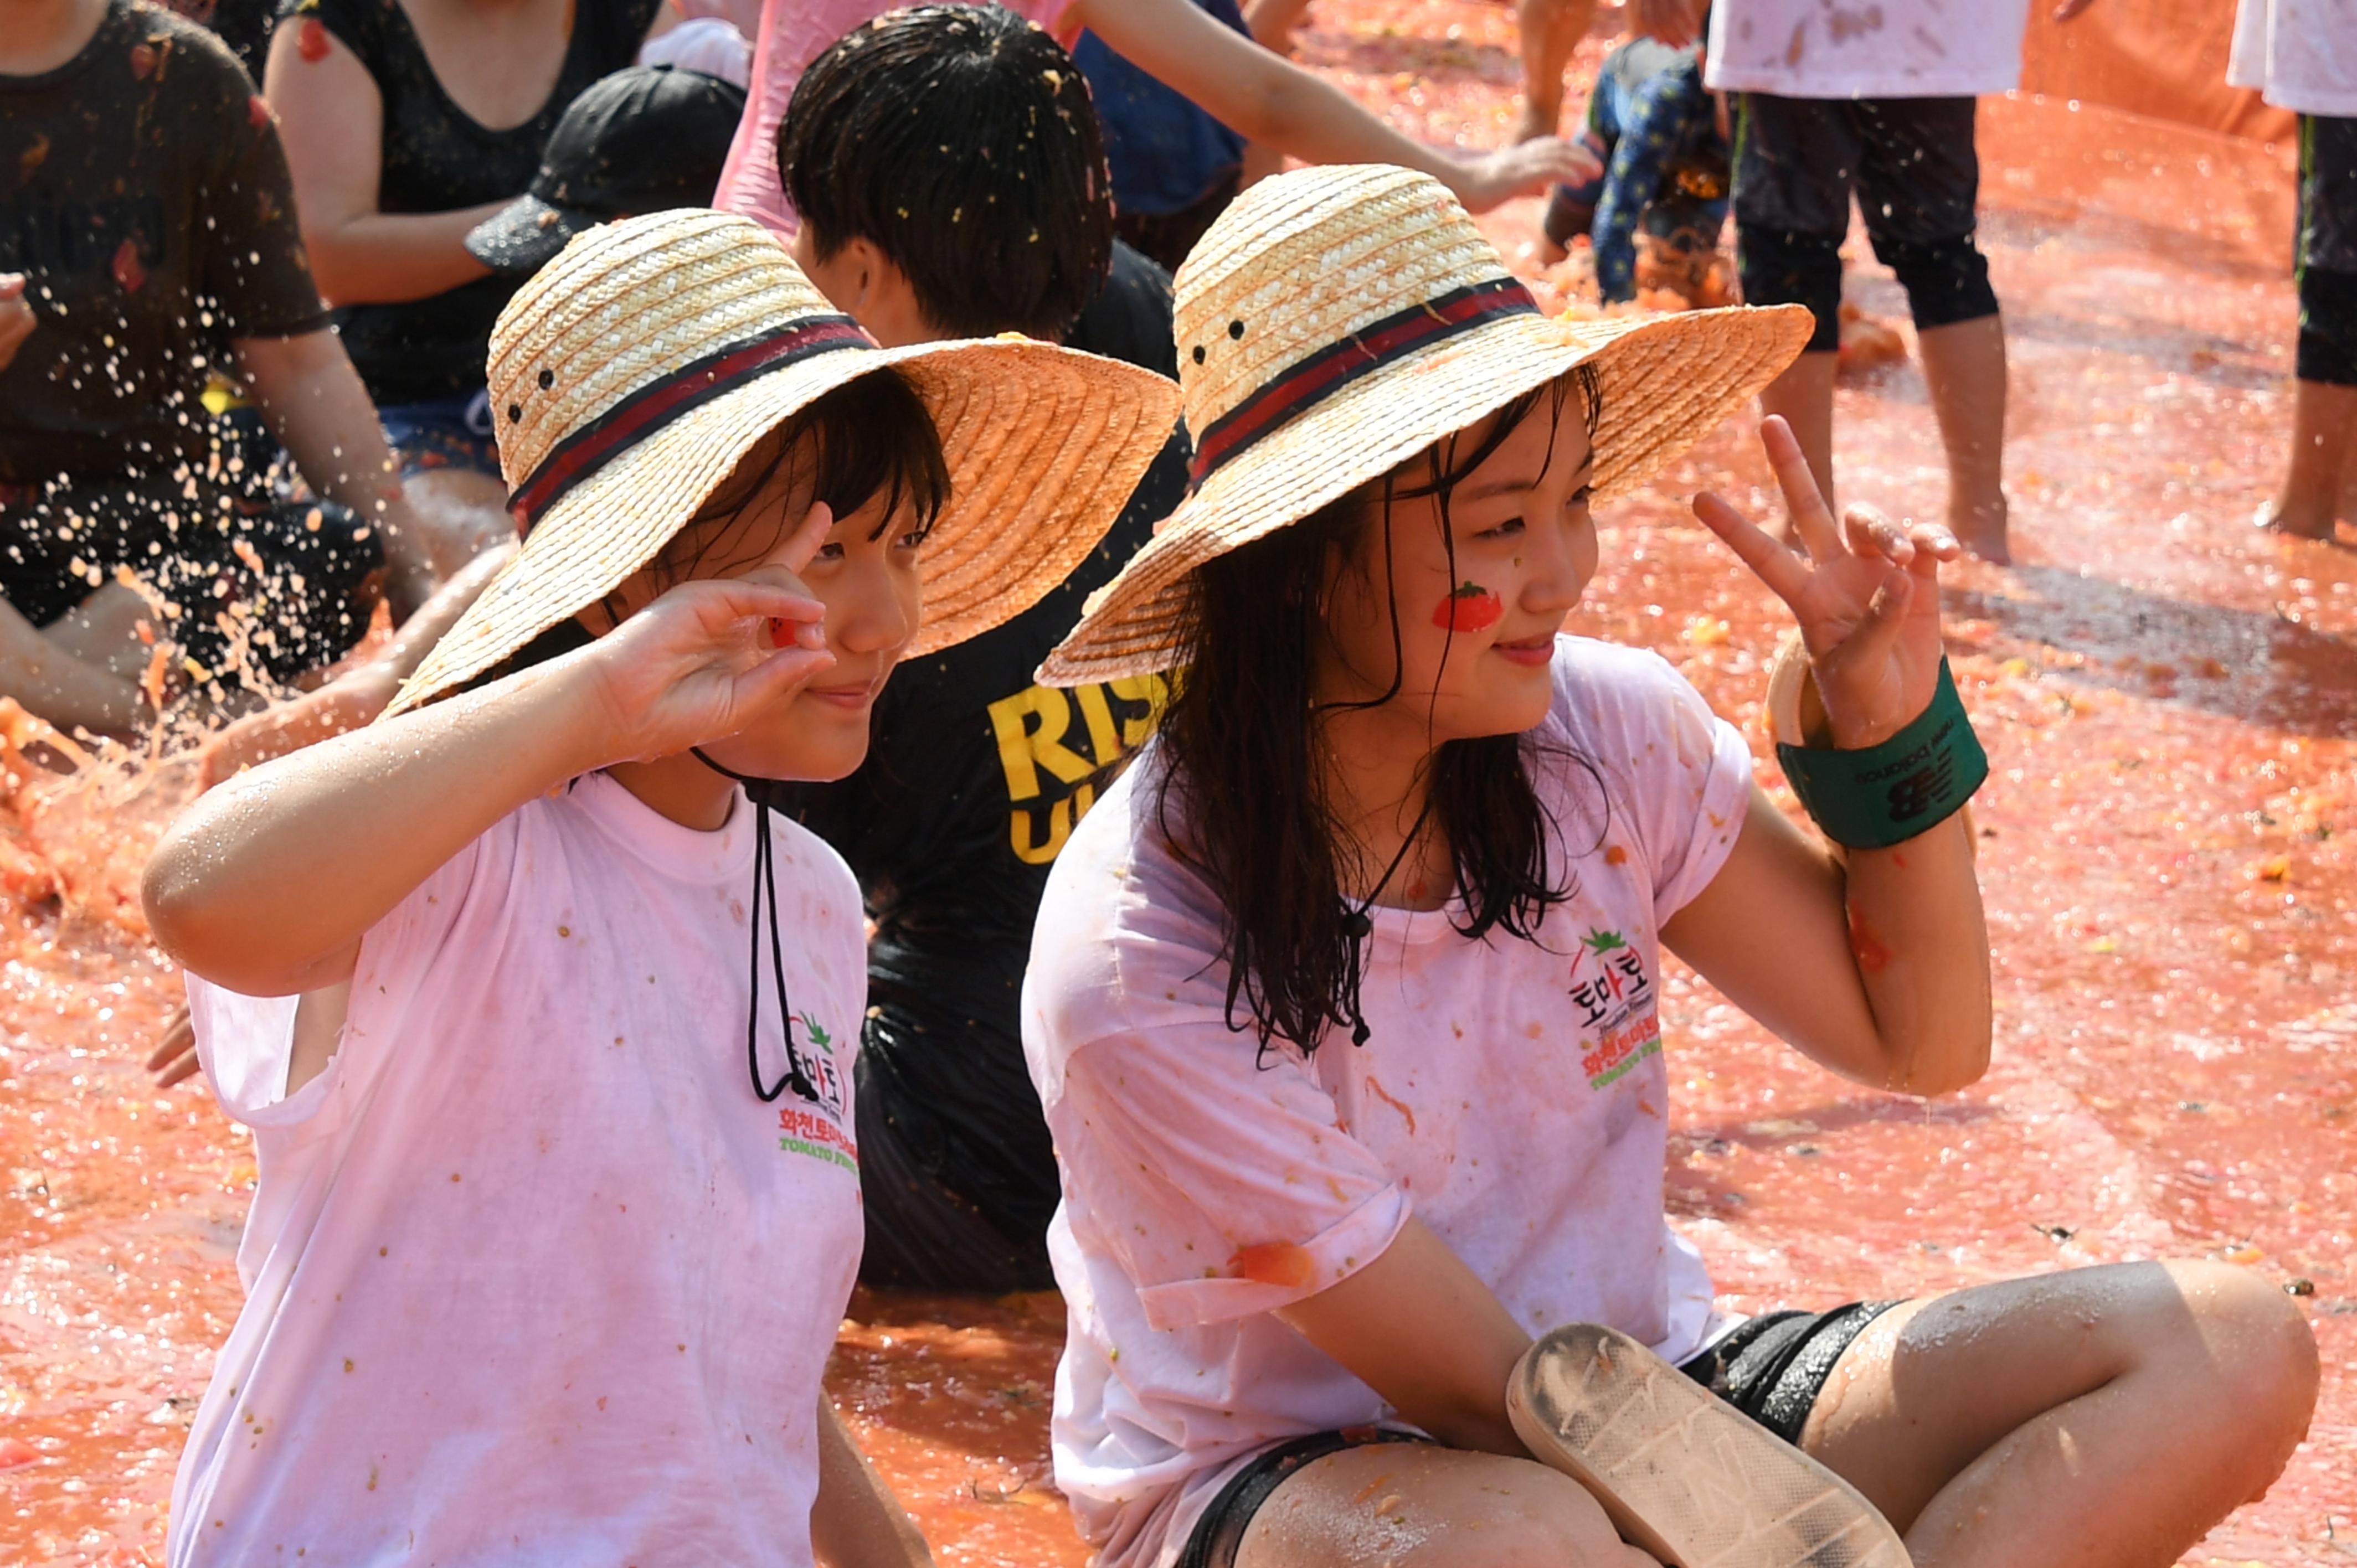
(1888, 794)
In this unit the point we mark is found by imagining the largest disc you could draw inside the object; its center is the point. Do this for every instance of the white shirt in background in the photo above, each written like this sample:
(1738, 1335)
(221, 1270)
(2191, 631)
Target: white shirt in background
(532, 1276)
(2302, 54)
(1867, 49)
(1512, 1094)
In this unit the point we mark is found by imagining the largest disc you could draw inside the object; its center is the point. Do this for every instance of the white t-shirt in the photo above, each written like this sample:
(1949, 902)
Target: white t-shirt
(1867, 49)
(2302, 54)
(532, 1276)
(1513, 1092)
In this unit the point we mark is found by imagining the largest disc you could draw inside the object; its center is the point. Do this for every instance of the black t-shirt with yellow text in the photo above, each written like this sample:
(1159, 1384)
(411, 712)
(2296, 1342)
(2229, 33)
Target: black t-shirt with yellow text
(975, 777)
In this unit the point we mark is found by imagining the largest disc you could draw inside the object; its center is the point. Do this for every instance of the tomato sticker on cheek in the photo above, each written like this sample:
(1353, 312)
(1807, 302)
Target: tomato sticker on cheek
(1470, 608)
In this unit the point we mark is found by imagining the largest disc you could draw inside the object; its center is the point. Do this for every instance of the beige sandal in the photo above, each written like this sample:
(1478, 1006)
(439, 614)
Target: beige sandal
(1682, 1474)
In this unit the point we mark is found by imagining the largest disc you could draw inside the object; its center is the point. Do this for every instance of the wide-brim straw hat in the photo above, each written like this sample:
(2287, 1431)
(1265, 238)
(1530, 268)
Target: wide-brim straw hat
(631, 375)
(1335, 322)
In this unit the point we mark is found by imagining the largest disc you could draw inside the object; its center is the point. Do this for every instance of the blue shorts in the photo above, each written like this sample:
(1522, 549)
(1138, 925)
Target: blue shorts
(448, 433)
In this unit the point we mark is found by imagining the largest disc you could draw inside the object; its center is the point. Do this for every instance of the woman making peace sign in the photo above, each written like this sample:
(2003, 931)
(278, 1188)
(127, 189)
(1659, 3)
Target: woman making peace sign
(1342, 1002)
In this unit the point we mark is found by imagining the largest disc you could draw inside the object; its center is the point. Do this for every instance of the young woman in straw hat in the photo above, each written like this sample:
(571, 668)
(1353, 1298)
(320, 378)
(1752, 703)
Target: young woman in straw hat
(1343, 1003)
(543, 1032)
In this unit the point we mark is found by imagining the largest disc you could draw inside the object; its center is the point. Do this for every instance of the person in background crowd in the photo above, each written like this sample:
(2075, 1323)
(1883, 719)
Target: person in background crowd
(408, 122)
(147, 239)
(1175, 168)
(643, 139)
(1886, 110)
(1283, 109)
(1551, 30)
(2302, 55)
(975, 775)
(1661, 134)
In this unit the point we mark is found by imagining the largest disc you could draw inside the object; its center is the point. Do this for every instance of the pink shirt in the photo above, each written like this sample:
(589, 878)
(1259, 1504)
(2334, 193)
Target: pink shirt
(794, 33)
(1513, 1095)
(532, 1275)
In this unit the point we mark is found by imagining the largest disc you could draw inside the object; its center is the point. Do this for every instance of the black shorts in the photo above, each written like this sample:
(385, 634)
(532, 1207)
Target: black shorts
(1911, 162)
(921, 1233)
(1772, 1367)
(2328, 250)
(243, 572)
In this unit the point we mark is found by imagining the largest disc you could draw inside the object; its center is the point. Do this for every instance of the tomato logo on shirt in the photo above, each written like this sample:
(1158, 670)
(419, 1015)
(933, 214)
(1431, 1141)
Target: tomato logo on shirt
(802, 1129)
(1618, 1006)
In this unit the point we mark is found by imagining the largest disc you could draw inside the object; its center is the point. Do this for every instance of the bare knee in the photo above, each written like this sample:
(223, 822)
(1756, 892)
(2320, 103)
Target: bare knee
(1432, 1508)
(2247, 1352)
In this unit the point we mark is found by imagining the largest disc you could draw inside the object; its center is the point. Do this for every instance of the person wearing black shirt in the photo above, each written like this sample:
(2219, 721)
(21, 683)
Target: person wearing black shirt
(928, 210)
(147, 240)
(409, 122)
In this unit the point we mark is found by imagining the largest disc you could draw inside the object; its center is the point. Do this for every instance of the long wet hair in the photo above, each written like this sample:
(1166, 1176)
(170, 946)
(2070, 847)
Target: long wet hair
(1244, 801)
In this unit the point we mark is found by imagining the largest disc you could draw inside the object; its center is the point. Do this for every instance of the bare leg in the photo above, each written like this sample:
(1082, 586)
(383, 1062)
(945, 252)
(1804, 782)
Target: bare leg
(358, 696)
(1803, 395)
(2104, 1418)
(54, 685)
(2323, 418)
(460, 513)
(1272, 23)
(103, 630)
(1551, 30)
(1419, 1505)
(1964, 363)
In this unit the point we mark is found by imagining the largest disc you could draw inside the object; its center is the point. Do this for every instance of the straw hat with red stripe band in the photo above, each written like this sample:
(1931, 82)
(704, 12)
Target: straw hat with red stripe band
(633, 373)
(1335, 322)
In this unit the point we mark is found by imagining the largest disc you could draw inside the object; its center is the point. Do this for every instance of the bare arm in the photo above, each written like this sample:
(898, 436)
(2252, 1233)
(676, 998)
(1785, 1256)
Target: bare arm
(1379, 1323)
(1267, 98)
(319, 410)
(331, 118)
(267, 884)
(1878, 969)
(1879, 972)
(856, 1522)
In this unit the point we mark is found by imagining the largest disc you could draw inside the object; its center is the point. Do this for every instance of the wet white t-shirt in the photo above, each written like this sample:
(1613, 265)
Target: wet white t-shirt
(2300, 54)
(1867, 49)
(532, 1276)
(1511, 1093)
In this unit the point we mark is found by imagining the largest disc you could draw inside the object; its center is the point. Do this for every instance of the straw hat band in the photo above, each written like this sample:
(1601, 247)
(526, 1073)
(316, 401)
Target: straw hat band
(1374, 347)
(647, 408)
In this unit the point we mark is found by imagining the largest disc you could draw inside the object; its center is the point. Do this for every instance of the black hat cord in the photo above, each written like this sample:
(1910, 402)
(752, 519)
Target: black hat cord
(1357, 926)
(765, 892)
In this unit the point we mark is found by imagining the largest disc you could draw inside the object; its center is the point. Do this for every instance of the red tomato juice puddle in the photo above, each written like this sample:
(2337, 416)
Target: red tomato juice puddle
(2167, 698)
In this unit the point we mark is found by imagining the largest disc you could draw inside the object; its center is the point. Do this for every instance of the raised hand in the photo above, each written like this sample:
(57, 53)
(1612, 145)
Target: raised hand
(1524, 169)
(1868, 600)
(703, 660)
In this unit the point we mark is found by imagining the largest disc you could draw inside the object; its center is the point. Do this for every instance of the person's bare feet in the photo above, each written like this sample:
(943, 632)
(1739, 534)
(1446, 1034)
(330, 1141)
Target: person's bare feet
(1982, 531)
(2295, 522)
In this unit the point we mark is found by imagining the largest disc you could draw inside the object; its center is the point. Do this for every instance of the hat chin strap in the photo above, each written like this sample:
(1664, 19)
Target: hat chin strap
(765, 893)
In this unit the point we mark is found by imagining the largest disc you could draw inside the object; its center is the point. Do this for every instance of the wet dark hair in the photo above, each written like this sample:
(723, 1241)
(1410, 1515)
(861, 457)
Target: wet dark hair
(1253, 814)
(871, 434)
(962, 143)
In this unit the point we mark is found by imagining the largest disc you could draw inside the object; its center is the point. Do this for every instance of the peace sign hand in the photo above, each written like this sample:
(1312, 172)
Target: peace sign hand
(1868, 599)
